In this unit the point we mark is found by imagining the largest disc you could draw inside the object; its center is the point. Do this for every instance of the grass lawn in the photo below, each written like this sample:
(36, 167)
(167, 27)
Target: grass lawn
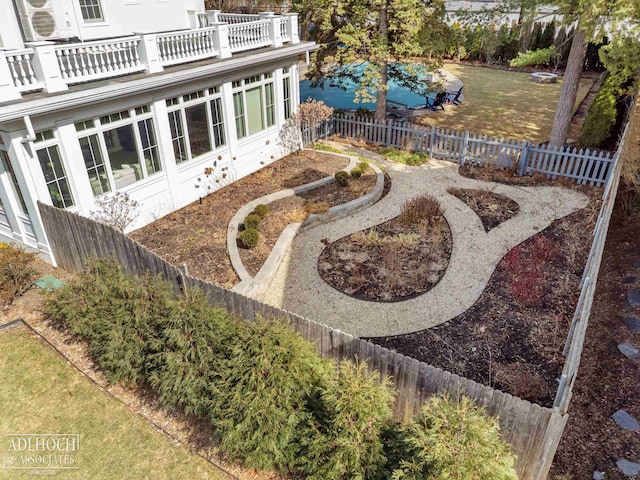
(502, 103)
(41, 393)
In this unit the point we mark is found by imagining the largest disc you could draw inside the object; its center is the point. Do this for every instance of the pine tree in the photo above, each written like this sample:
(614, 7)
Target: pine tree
(383, 33)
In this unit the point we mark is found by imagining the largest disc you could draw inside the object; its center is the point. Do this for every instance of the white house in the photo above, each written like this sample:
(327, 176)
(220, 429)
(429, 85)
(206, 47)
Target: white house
(137, 96)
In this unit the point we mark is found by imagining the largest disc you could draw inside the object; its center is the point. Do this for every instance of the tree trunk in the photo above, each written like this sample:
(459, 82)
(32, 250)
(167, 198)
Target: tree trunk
(569, 91)
(381, 104)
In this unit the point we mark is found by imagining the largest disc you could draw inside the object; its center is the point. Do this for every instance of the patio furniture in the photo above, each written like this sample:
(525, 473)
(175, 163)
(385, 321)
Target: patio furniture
(437, 102)
(454, 97)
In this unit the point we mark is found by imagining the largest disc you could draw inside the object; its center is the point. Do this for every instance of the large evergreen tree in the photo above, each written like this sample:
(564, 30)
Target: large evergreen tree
(383, 33)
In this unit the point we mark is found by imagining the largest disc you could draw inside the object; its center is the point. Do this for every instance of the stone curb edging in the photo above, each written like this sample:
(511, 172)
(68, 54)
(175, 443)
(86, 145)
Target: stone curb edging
(254, 286)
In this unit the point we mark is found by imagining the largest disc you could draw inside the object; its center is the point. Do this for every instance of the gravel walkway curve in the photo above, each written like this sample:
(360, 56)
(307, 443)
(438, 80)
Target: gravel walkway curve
(298, 287)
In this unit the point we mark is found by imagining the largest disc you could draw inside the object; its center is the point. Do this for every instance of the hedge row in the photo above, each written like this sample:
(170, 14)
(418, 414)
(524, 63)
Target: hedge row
(273, 402)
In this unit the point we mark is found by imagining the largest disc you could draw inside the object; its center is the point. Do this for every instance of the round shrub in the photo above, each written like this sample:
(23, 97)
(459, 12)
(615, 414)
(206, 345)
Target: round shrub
(249, 237)
(453, 440)
(252, 221)
(356, 173)
(261, 210)
(342, 178)
(364, 166)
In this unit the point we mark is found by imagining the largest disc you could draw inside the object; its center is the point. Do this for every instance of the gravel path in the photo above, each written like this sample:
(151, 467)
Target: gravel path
(299, 288)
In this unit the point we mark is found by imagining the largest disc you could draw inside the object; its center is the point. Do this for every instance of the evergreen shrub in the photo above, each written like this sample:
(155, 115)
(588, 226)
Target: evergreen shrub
(342, 178)
(252, 221)
(249, 237)
(261, 211)
(356, 173)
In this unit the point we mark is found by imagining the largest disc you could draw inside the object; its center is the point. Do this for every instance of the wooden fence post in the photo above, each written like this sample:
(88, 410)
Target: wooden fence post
(432, 136)
(524, 158)
(389, 132)
(465, 148)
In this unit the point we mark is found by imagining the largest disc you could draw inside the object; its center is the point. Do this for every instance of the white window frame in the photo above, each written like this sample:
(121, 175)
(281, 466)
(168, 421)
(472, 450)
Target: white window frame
(239, 89)
(84, 7)
(287, 102)
(181, 103)
(41, 143)
(135, 116)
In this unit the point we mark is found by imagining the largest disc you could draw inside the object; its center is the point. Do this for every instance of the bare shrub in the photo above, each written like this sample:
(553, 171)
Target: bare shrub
(311, 114)
(522, 381)
(16, 272)
(420, 209)
(118, 210)
(317, 207)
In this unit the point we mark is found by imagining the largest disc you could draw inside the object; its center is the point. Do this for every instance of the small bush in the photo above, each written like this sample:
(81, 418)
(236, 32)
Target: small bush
(249, 237)
(252, 221)
(264, 389)
(17, 272)
(118, 314)
(342, 178)
(356, 173)
(261, 211)
(405, 157)
(343, 440)
(316, 207)
(453, 440)
(418, 210)
(364, 166)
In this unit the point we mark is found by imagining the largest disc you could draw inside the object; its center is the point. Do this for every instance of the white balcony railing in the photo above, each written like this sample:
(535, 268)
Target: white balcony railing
(250, 35)
(237, 18)
(50, 67)
(180, 47)
(20, 63)
(83, 62)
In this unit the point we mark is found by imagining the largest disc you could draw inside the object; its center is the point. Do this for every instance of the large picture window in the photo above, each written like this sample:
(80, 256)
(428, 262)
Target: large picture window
(254, 104)
(53, 169)
(119, 149)
(91, 11)
(197, 123)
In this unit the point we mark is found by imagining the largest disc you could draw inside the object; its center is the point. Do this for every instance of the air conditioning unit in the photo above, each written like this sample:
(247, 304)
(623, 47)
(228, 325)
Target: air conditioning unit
(37, 19)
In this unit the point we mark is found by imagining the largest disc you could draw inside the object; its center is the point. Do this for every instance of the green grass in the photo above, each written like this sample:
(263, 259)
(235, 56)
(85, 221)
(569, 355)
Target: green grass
(502, 103)
(322, 147)
(405, 157)
(41, 393)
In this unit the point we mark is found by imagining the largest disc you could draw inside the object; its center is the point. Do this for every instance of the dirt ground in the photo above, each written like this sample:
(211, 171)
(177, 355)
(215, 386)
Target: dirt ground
(492, 208)
(197, 233)
(390, 262)
(607, 381)
(295, 209)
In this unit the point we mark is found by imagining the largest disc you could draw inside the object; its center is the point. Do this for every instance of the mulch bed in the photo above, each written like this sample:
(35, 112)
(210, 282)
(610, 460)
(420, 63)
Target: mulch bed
(607, 381)
(197, 233)
(510, 177)
(492, 208)
(389, 262)
(295, 209)
(512, 337)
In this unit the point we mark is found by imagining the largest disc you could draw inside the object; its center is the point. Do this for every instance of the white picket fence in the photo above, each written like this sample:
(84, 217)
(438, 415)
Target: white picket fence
(584, 166)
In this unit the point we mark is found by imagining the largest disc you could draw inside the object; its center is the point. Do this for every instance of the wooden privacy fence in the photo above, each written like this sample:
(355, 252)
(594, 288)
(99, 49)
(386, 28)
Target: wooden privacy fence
(533, 431)
(583, 166)
(578, 330)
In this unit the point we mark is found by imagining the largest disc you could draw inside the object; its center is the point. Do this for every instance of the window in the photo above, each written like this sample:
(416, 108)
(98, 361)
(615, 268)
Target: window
(5, 166)
(94, 163)
(91, 11)
(119, 149)
(254, 104)
(197, 123)
(54, 174)
(286, 89)
(177, 136)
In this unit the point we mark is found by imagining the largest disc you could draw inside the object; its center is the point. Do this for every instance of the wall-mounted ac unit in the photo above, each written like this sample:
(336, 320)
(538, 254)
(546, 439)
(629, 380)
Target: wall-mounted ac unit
(37, 19)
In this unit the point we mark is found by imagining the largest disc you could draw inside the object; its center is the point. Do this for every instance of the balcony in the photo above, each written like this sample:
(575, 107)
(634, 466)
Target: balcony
(51, 67)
